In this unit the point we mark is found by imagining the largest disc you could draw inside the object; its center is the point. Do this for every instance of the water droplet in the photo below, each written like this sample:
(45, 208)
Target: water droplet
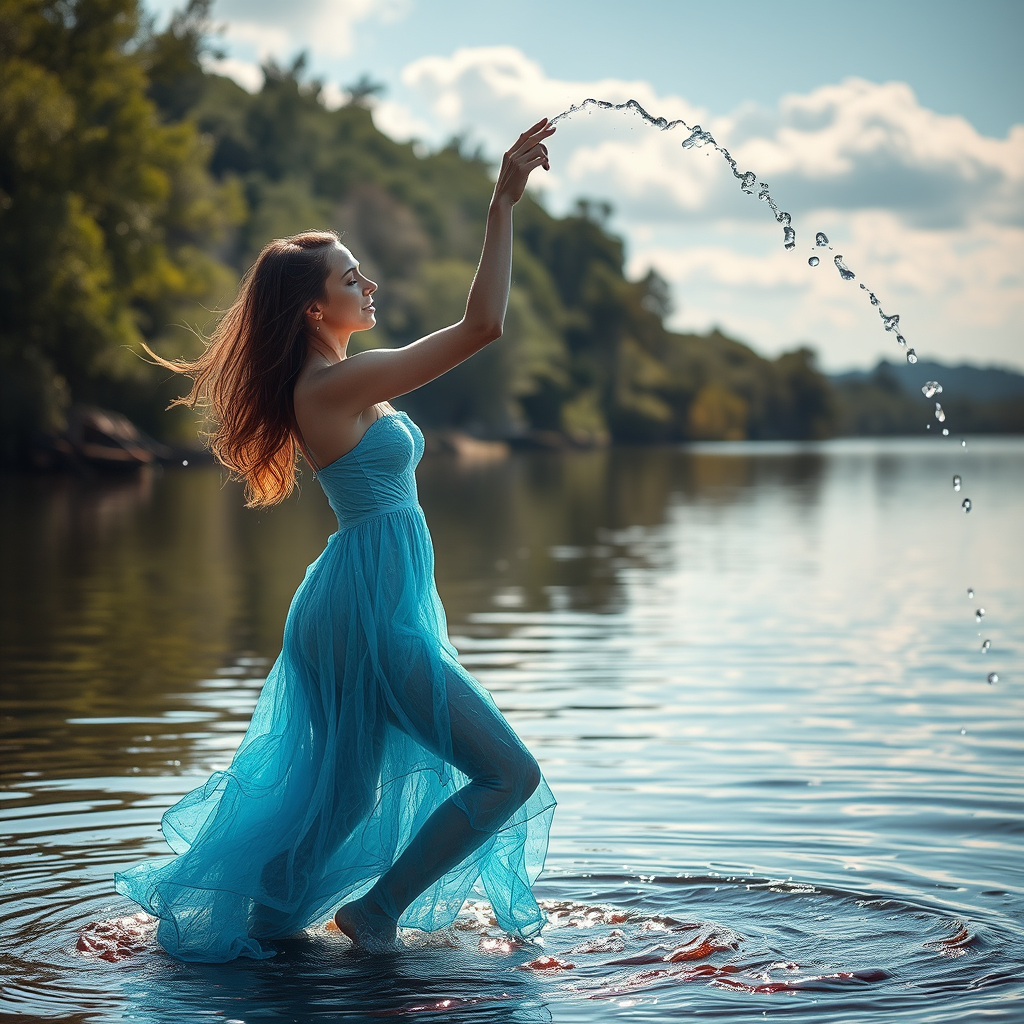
(931, 388)
(911, 356)
(874, 298)
(900, 340)
(789, 237)
(698, 137)
(963, 443)
(993, 677)
(966, 504)
(821, 239)
(184, 462)
(956, 481)
(939, 414)
(945, 431)
(747, 184)
(979, 614)
(970, 593)
(986, 646)
(963, 732)
(813, 261)
(844, 271)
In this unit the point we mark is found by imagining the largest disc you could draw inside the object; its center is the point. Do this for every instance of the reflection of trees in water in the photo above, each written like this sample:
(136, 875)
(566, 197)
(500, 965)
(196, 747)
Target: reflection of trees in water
(724, 477)
(501, 522)
(114, 594)
(582, 516)
(117, 593)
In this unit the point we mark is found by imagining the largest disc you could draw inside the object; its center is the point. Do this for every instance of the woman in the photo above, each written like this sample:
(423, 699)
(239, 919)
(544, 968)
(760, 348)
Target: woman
(376, 780)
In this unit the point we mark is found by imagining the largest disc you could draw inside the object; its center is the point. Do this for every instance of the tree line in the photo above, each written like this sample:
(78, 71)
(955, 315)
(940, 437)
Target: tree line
(135, 188)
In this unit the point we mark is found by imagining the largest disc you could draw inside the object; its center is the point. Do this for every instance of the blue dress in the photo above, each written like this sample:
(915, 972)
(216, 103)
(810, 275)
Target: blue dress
(365, 725)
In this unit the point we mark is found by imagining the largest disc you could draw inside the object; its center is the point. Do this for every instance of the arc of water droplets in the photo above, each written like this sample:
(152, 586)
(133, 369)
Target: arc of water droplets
(747, 179)
(699, 137)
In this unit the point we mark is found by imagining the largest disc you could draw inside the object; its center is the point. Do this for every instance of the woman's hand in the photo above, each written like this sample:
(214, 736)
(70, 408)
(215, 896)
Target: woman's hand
(527, 153)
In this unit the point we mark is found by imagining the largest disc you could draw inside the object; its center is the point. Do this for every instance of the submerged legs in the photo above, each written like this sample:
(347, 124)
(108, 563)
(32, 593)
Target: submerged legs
(502, 773)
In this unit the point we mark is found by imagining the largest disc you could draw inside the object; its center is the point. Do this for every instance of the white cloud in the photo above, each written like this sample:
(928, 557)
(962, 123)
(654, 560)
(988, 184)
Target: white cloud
(256, 31)
(246, 73)
(266, 28)
(398, 122)
(922, 206)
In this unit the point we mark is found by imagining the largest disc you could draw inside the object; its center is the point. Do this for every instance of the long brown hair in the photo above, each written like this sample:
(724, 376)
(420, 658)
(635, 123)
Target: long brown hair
(246, 375)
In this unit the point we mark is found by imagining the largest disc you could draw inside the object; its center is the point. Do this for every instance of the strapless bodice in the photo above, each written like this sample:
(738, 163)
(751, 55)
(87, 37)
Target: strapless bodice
(378, 475)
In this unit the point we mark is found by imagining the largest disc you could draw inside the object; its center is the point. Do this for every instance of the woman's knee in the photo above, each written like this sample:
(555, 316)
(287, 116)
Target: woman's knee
(519, 776)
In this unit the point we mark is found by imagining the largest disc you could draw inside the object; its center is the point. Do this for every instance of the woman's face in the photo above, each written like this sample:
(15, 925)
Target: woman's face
(347, 303)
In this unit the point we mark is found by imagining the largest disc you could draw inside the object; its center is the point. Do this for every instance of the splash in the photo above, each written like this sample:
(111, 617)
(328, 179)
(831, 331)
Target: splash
(844, 271)
(119, 938)
(699, 137)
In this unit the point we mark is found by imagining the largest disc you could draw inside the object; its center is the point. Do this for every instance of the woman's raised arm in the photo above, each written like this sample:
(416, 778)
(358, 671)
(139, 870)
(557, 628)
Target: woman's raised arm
(377, 375)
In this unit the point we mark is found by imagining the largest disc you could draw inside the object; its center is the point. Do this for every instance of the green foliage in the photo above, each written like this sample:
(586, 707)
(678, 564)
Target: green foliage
(136, 188)
(106, 215)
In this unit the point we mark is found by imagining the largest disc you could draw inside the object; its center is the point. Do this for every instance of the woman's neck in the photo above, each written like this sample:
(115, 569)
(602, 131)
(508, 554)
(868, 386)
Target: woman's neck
(328, 346)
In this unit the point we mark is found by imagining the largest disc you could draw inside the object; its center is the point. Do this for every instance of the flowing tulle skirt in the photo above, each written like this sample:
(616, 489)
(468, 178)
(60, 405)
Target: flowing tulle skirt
(351, 747)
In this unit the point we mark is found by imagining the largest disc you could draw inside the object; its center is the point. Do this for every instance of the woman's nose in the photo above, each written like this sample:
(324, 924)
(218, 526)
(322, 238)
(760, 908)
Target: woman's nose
(371, 287)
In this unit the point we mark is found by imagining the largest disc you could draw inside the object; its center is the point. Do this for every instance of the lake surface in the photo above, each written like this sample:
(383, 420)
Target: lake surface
(751, 673)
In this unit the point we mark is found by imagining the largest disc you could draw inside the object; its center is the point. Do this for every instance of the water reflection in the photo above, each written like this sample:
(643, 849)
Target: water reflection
(735, 664)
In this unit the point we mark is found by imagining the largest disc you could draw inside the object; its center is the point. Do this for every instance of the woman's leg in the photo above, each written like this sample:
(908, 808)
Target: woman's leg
(502, 776)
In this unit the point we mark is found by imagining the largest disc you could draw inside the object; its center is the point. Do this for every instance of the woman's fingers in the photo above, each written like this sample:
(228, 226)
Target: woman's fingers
(529, 138)
(534, 128)
(526, 155)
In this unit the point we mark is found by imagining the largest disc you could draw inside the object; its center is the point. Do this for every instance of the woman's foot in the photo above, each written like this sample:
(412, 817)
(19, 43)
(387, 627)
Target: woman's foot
(366, 924)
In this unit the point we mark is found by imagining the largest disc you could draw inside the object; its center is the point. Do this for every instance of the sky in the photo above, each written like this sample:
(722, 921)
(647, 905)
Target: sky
(895, 128)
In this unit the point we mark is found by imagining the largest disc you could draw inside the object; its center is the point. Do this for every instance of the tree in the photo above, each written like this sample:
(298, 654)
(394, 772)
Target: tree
(106, 214)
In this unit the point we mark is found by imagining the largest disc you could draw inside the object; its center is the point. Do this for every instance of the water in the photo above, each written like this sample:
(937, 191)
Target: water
(699, 138)
(748, 671)
(844, 271)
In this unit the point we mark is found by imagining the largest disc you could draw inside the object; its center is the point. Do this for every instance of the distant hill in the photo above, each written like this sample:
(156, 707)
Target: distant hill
(888, 399)
(977, 383)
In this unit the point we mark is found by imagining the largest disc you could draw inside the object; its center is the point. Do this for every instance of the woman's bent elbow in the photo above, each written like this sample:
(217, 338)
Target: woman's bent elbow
(485, 331)
(491, 332)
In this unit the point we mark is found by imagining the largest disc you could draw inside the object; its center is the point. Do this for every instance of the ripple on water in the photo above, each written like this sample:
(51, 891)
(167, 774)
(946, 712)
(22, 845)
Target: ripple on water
(610, 937)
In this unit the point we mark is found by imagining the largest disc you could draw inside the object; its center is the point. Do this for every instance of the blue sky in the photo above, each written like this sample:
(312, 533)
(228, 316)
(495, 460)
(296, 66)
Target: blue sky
(898, 128)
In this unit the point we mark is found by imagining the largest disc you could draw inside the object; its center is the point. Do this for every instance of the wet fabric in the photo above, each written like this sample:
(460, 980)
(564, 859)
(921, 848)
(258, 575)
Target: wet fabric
(365, 726)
